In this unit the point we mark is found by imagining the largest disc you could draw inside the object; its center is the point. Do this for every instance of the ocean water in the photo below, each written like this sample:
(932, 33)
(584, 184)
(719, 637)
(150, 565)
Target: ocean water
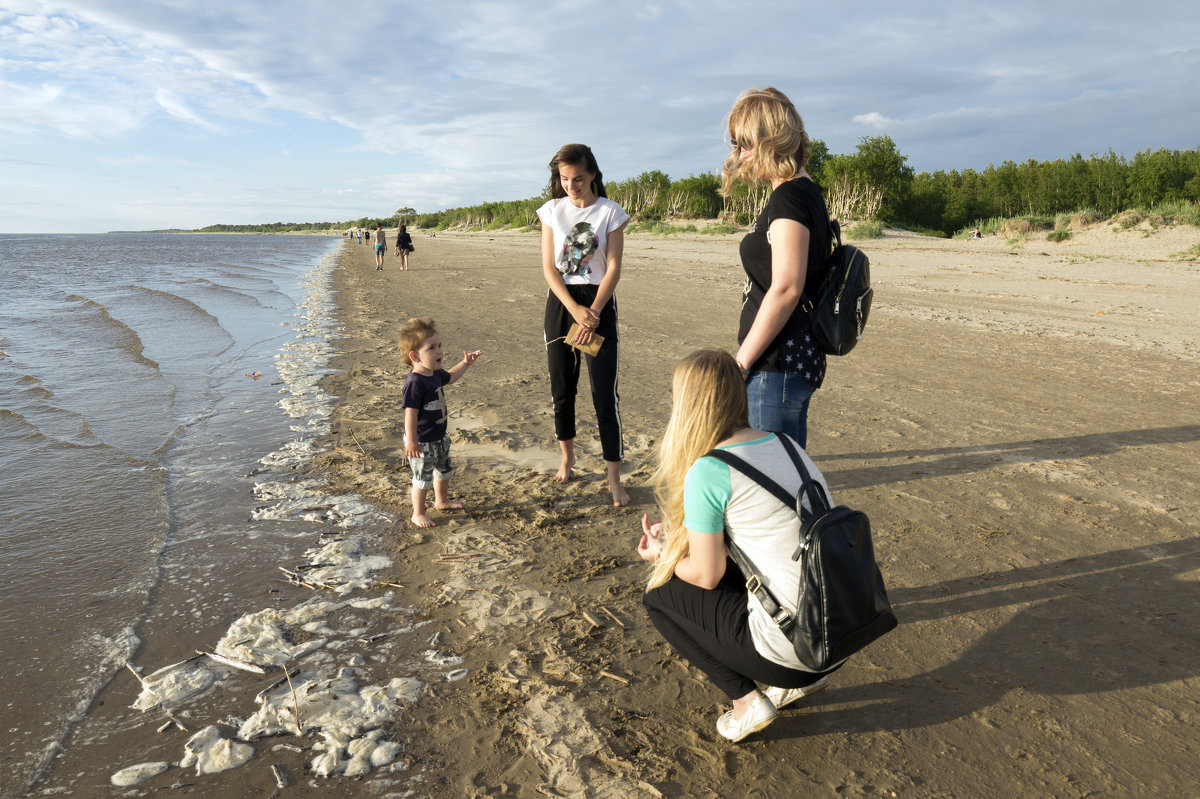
(144, 378)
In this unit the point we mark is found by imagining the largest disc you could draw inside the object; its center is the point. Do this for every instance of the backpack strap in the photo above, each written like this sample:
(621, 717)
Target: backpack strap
(835, 241)
(754, 578)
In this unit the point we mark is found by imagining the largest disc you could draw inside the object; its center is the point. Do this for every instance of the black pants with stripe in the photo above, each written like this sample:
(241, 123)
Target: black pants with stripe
(564, 363)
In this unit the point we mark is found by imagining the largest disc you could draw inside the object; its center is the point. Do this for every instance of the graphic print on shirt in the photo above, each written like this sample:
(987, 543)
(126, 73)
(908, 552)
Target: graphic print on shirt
(438, 406)
(578, 247)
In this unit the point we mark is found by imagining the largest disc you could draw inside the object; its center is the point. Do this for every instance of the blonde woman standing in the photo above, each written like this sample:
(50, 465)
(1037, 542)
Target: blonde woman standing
(696, 596)
(783, 254)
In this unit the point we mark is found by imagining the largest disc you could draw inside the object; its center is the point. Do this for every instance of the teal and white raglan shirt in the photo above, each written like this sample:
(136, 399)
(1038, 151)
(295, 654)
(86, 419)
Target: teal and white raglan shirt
(717, 498)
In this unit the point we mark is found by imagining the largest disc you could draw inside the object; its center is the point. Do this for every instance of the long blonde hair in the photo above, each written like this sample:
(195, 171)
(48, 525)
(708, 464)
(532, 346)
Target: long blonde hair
(765, 120)
(708, 405)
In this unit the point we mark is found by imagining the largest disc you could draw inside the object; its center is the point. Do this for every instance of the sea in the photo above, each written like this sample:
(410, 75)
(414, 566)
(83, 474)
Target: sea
(158, 394)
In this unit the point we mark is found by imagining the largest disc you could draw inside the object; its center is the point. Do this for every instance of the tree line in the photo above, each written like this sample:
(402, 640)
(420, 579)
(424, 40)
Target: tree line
(874, 183)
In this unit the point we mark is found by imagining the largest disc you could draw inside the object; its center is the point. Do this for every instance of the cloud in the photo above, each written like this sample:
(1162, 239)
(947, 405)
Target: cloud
(466, 102)
(874, 120)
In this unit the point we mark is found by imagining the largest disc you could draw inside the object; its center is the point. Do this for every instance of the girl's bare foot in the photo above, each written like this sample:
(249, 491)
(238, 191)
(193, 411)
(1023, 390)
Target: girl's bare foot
(563, 474)
(421, 520)
(449, 504)
(619, 494)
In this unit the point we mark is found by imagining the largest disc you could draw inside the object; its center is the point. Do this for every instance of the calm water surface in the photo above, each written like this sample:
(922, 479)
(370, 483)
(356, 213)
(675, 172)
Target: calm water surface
(129, 421)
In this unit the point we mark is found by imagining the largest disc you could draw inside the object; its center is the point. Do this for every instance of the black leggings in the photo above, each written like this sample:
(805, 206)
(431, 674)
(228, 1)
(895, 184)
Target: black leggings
(564, 362)
(710, 628)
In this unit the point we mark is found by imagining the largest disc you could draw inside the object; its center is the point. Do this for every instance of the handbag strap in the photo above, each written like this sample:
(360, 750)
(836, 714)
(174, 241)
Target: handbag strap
(754, 578)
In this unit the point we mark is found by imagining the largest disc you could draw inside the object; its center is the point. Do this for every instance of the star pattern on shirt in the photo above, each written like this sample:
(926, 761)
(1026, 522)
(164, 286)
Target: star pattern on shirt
(800, 354)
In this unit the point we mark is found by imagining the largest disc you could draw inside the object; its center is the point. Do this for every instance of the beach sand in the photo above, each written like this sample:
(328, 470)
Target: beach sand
(1020, 423)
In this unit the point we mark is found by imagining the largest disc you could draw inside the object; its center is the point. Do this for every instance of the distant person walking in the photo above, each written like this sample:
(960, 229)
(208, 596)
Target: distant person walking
(404, 245)
(785, 252)
(583, 239)
(380, 245)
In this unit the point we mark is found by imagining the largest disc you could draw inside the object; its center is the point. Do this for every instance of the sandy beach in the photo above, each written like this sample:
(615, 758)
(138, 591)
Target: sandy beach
(1020, 424)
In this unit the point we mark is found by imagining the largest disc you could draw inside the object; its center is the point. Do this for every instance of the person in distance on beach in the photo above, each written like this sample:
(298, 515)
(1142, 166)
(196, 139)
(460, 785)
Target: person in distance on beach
(785, 252)
(426, 443)
(380, 245)
(583, 239)
(696, 595)
(404, 245)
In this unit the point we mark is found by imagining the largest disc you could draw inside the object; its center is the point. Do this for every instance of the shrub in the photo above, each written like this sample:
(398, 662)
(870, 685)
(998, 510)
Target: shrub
(1190, 254)
(871, 229)
(1058, 235)
(721, 229)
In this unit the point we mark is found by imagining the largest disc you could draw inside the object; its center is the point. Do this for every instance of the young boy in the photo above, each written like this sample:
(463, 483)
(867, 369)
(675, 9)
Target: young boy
(425, 441)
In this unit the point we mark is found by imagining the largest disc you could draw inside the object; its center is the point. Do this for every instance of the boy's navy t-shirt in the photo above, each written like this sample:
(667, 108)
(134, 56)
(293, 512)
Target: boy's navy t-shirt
(424, 392)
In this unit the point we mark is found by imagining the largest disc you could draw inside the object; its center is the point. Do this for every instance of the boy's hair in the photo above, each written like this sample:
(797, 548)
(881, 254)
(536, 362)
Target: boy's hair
(412, 334)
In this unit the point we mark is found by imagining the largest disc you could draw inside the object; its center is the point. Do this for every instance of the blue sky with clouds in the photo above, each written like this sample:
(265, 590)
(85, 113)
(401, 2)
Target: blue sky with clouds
(178, 113)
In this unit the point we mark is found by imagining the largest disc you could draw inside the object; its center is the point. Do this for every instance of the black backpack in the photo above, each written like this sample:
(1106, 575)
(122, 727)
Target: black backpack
(843, 604)
(843, 300)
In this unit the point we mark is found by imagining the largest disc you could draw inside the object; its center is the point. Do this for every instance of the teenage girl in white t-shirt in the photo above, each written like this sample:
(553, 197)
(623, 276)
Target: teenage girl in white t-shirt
(583, 236)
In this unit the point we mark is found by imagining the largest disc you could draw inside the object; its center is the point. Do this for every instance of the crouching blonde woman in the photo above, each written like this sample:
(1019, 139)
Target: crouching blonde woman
(696, 596)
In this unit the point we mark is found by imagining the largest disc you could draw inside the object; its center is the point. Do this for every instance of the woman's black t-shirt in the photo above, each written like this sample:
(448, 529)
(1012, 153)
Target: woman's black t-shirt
(793, 350)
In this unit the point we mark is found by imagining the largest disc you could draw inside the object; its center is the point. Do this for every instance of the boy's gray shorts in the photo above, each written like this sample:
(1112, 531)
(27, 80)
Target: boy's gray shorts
(433, 463)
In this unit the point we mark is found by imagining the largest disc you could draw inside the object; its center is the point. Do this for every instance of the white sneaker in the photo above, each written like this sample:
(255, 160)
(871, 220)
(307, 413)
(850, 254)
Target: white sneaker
(782, 697)
(759, 715)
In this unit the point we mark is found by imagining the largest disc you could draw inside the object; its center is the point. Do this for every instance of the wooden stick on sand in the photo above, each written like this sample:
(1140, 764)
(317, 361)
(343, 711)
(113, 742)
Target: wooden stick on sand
(614, 618)
(295, 700)
(135, 674)
(237, 664)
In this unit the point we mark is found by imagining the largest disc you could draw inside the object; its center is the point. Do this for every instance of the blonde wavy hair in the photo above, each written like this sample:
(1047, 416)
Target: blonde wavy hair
(708, 405)
(766, 121)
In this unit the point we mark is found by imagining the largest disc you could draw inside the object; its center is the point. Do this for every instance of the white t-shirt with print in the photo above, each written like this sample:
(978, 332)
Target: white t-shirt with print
(581, 236)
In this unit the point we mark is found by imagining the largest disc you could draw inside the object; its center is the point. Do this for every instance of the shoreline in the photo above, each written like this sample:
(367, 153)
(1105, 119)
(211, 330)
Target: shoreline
(1002, 518)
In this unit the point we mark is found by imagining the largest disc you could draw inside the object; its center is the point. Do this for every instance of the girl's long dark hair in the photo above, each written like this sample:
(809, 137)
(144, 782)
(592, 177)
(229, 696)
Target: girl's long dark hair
(574, 154)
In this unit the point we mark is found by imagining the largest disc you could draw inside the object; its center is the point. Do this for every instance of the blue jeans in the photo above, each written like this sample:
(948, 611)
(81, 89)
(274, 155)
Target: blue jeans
(779, 403)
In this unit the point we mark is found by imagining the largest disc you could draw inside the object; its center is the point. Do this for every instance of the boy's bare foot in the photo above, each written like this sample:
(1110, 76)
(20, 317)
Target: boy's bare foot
(619, 494)
(421, 520)
(450, 504)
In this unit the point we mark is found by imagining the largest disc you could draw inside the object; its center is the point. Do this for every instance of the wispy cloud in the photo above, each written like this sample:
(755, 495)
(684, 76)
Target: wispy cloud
(463, 102)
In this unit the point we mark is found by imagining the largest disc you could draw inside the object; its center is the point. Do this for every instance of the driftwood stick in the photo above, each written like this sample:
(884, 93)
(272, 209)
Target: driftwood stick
(345, 451)
(280, 780)
(588, 616)
(613, 617)
(295, 700)
(612, 676)
(135, 674)
(237, 664)
(360, 446)
(261, 696)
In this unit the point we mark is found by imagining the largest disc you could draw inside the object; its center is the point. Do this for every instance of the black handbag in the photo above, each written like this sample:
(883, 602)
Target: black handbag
(843, 604)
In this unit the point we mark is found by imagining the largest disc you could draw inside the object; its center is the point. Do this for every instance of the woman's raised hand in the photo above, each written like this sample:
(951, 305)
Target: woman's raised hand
(653, 539)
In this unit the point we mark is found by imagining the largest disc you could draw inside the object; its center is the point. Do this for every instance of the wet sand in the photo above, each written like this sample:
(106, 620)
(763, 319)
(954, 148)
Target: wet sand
(1020, 423)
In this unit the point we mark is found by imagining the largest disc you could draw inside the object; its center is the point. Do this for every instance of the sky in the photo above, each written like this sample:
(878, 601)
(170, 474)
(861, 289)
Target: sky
(121, 115)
